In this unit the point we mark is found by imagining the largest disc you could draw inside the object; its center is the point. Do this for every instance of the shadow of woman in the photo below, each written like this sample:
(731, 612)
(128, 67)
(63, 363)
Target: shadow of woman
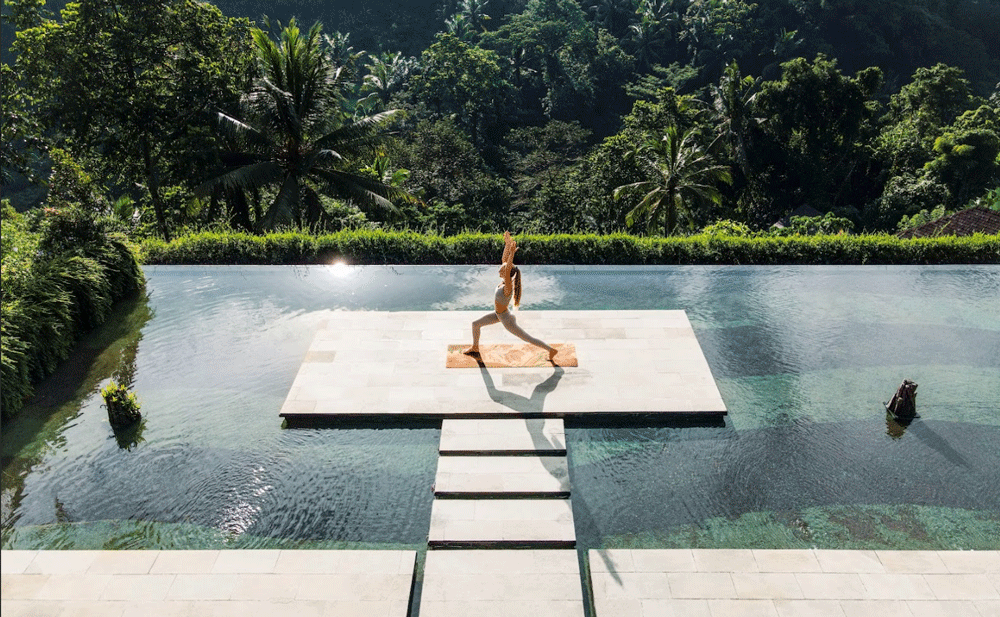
(527, 406)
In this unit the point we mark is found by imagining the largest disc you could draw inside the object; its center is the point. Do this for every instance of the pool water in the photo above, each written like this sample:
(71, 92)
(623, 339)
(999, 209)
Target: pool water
(803, 356)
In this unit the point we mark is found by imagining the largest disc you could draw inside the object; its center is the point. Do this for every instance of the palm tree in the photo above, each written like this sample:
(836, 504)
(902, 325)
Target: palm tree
(683, 172)
(733, 102)
(295, 136)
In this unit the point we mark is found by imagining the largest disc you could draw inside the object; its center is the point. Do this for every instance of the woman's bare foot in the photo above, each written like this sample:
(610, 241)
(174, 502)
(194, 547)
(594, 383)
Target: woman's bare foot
(471, 351)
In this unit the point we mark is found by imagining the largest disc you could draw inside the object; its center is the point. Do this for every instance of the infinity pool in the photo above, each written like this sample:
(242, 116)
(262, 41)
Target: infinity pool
(804, 358)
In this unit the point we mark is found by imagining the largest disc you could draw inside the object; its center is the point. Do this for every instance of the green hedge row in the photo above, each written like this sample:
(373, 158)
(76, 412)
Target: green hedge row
(62, 273)
(389, 247)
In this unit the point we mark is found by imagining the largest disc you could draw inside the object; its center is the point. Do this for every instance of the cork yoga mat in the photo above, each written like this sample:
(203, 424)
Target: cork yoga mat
(510, 356)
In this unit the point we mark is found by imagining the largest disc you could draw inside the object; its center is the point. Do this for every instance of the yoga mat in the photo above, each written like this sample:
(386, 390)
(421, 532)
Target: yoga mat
(510, 356)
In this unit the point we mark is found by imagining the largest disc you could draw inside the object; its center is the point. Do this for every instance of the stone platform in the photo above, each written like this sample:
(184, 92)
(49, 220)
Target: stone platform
(502, 583)
(209, 583)
(380, 364)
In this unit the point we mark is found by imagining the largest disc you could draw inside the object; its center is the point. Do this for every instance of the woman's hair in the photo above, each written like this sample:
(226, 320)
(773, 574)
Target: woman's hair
(516, 275)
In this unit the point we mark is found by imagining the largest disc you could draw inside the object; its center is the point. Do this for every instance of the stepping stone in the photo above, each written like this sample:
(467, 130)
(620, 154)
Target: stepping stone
(545, 436)
(502, 523)
(502, 583)
(502, 476)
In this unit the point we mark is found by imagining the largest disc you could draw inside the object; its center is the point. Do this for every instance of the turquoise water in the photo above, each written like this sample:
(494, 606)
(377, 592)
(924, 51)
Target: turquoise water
(804, 358)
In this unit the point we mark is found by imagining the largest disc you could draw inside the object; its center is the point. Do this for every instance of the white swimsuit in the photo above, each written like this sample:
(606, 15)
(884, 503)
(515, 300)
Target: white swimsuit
(507, 319)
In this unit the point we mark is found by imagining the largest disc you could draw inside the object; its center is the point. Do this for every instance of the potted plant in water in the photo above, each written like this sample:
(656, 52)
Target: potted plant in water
(123, 406)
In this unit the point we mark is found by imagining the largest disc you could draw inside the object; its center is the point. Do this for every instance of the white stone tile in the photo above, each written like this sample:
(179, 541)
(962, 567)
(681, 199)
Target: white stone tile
(61, 562)
(266, 587)
(849, 561)
(742, 608)
(940, 608)
(875, 608)
(73, 587)
(92, 609)
(617, 607)
(31, 608)
(831, 586)
(897, 587)
(786, 561)
(202, 587)
(986, 608)
(701, 585)
(22, 586)
(766, 585)
(177, 609)
(123, 562)
(501, 582)
(245, 561)
(962, 587)
(184, 562)
(676, 608)
(138, 587)
(971, 562)
(15, 562)
(724, 560)
(809, 608)
(921, 562)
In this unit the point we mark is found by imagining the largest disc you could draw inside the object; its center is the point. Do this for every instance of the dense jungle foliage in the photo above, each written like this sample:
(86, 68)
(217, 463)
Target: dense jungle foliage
(651, 117)
(658, 131)
(62, 273)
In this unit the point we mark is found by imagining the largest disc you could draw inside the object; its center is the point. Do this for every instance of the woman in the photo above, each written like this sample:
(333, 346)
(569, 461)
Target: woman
(510, 287)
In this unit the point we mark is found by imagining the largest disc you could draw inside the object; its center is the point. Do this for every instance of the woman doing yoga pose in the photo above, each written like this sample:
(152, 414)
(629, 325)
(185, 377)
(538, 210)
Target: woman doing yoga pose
(510, 287)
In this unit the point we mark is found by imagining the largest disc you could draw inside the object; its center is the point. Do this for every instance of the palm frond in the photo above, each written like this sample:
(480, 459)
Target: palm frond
(358, 134)
(248, 177)
(366, 191)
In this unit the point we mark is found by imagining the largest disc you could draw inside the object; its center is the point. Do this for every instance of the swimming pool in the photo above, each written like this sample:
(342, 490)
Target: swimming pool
(804, 357)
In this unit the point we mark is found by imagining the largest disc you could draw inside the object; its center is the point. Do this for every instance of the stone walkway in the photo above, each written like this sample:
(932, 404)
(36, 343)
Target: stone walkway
(502, 484)
(264, 583)
(501, 583)
(788, 583)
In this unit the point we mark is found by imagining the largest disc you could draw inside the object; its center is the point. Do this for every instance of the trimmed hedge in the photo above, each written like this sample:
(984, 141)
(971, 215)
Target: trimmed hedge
(62, 273)
(393, 247)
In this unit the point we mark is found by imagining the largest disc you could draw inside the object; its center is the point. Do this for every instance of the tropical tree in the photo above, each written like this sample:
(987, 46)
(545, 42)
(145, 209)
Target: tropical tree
(682, 173)
(387, 74)
(128, 87)
(296, 137)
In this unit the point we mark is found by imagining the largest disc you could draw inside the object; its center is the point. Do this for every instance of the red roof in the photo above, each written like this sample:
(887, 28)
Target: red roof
(962, 223)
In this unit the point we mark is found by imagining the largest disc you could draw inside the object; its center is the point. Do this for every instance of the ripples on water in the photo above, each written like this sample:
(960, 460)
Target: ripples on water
(803, 357)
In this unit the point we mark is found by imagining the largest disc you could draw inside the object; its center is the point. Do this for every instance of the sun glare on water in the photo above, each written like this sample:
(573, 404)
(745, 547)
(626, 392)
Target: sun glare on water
(340, 269)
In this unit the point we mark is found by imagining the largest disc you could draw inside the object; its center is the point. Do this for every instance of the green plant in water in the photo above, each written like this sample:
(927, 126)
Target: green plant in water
(123, 406)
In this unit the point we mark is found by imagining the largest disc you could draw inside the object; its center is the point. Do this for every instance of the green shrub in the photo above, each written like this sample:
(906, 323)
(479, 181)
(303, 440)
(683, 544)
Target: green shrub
(385, 247)
(62, 271)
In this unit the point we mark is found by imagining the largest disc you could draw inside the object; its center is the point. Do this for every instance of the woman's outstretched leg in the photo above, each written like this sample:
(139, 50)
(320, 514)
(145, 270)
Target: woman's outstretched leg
(477, 325)
(510, 323)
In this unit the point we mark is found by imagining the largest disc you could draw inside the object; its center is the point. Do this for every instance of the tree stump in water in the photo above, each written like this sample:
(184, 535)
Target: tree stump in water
(903, 404)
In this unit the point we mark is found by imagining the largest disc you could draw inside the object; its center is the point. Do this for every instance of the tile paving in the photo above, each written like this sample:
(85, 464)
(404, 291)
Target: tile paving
(163, 583)
(376, 364)
(467, 476)
(786, 583)
(545, 436)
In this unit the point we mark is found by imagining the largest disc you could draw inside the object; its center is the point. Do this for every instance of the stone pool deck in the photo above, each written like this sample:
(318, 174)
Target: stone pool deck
(364, 365)
(624, 583)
